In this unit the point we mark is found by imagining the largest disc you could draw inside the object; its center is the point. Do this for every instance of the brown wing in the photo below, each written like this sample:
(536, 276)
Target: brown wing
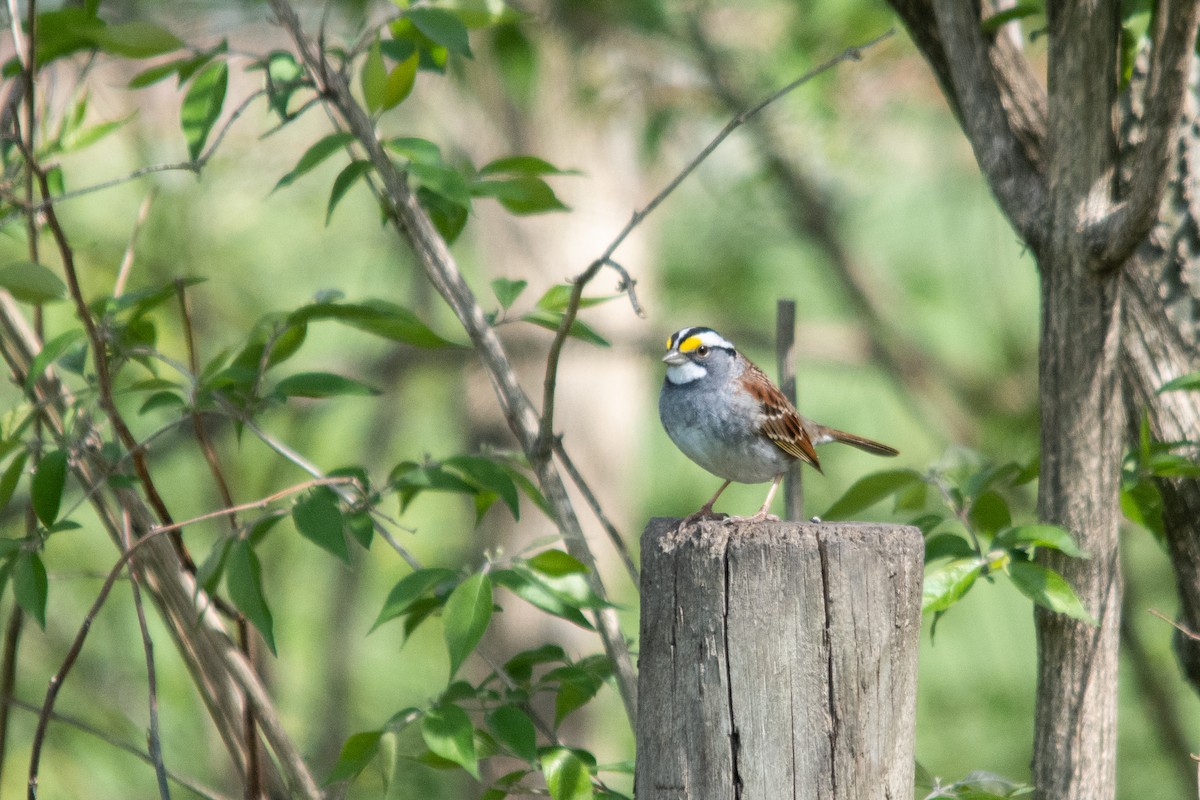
(779, 421)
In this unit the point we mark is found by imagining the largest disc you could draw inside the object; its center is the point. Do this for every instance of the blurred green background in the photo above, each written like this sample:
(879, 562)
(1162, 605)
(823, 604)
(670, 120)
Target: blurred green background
(617, 90)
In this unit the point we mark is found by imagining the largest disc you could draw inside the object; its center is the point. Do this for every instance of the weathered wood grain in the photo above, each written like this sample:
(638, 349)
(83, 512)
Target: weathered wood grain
(778, 660)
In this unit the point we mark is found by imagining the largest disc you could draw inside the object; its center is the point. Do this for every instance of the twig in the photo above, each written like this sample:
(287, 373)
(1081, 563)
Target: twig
(8, 675)
(127, 259)
(154, 742)
(260, 503)
(254, 778)
(193, 786)
(546, 431)
(195, 166)
(1186, 631)
(434, 257)
(100, 358)
(59, 677)
(614, 535)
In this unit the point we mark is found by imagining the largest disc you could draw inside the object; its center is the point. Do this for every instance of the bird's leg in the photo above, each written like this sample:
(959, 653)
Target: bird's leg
(762, 512)
(706, 510)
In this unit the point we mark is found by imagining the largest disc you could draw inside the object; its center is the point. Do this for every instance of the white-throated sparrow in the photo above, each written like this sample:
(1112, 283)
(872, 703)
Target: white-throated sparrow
(725, 414)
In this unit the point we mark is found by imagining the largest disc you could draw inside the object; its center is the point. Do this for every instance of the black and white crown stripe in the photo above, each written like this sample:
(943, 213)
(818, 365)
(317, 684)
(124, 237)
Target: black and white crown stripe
(686, 340)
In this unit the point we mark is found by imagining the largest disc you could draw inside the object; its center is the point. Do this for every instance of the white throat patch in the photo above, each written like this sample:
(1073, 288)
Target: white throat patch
(685, 373)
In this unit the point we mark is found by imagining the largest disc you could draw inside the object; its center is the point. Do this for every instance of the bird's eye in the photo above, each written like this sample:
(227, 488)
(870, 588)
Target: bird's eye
(702, 351)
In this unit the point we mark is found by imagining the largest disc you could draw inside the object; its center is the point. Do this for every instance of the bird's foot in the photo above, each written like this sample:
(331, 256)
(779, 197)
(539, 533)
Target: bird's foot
(761, 516)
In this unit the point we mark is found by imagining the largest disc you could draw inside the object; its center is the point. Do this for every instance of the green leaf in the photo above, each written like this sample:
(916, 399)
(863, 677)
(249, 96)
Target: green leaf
(1189, 382)
(946, 583)
(533, 591)
(32, 283)
(550, 320)
(208, 574)
(202, 106)
(416, 149)
(135, 39)
(489, 476)
(869, 490)
(1024, 8)
(576, 688)
(360, 526)
(465, 617)
(442, 27)
(321, 385)
(10, 478)
(558, 297)
(30, 586)
(520, 667)
(373, 78)
(947, 545)
(567, 776)
(448, 217)
(51, 352)
(318, 517)
(523, 165)
(1142, 504)
(526, 194)
(514, 730)
(315, 155)
(400, 82)
(342, 183)
(1051, 536)
(1048, 589)
(243, 579)
(411, 479)
(1172, 465)
(410, 589)
(989, 513)
(507, 291)
(46, 489)
(357, 752)
(442, 180)
(573, 587)
(377, 317)
(556, 563)
(161, 400)
(448, 733)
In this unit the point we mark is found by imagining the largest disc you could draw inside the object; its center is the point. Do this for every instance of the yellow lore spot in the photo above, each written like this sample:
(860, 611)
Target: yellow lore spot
(689, 344)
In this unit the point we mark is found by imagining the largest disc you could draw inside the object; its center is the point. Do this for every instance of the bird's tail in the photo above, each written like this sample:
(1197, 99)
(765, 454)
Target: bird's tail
(825, 434)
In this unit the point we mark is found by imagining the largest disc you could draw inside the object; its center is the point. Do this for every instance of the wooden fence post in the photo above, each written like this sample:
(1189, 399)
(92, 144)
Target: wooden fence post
(778, 660)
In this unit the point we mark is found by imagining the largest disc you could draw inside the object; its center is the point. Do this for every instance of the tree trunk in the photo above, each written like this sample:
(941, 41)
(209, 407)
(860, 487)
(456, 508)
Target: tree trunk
(1074, 754)
(778, 660)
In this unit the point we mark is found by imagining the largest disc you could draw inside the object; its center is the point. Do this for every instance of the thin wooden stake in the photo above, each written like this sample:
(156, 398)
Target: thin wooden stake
(785, 357)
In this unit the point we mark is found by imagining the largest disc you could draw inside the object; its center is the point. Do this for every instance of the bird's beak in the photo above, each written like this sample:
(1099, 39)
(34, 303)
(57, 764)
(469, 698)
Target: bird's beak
(674, 358)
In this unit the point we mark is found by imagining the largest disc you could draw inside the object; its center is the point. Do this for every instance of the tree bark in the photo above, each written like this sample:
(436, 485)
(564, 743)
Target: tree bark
(778, 660)
(1075, 732)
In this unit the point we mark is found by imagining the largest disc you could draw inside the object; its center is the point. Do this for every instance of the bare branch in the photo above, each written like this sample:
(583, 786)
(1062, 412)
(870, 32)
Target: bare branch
(56, 681)
(74, 722)
(439, 266)
(1174, 37)
(127, 259)
(546, 430)
(614, 535)
(153, 739)
(1018, 186)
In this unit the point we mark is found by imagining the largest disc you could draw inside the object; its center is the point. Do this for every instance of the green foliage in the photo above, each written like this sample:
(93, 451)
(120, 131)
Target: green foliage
(1151, 461)
(969, 531)
(202, 106)
(32, 283)
(243, 579)
(978, 785)
(46, 488)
